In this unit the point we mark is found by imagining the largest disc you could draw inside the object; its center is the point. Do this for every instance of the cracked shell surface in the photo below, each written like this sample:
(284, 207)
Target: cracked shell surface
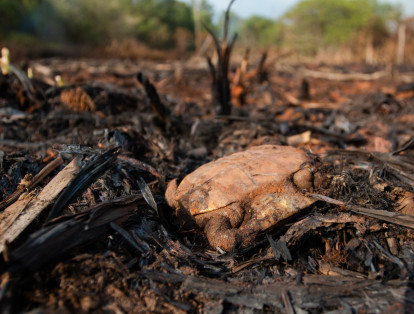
(233, 178)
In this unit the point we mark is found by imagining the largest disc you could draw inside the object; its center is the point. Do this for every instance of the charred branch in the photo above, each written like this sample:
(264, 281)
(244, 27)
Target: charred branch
(89, 173)
(220, 71)
(58, 239)
(162, 112)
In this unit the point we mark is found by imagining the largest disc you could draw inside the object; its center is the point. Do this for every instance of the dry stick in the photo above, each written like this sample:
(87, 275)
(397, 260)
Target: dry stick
(127, 236)
(35, 180)
(15, 218)
(396, 218)
(309, 295)
(404, 176)
(141, 165)
(344, 76)
(409, 144)
(287, 302)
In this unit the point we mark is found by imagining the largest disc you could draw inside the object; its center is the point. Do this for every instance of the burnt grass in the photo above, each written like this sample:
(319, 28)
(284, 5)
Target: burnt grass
(105, 247)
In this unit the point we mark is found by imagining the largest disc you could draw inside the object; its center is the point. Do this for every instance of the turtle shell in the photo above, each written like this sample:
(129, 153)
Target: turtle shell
(233, 178)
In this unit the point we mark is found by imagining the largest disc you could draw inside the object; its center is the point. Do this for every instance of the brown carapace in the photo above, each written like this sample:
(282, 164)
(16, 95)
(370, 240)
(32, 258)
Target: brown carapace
(235, 197)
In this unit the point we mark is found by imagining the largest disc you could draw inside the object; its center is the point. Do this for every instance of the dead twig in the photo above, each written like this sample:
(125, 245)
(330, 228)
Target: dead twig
(140, 165)
(15, 218)
(33, 182)
(408, 145)
(392, 217)
(287, 302)
(128, 237)
(344, 76)
(301, 297)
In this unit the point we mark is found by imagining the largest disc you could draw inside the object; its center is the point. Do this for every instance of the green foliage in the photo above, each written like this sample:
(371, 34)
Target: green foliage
(9, 21)
(91, 21)
(15, 14)
(154, 22)
(157, 21)
(313, 24)
(307, 27)
(206, 13)
(261, 31)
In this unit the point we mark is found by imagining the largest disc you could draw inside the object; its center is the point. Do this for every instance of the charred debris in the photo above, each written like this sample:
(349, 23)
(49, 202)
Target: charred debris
(87, 148)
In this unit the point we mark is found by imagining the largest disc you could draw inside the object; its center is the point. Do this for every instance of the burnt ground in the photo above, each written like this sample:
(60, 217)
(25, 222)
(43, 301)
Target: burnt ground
(101, 237)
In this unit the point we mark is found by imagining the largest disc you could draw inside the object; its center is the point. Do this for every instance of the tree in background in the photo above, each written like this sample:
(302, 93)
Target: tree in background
(92, 21)
(202, 17)
(10, 21)
(260, 31)
(315, 24)
(154, 22)
(308, 28)
(158, 20)
(20, 17)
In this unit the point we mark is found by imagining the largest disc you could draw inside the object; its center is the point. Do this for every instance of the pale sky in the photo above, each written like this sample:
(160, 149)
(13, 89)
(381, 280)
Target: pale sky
(275, 8)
